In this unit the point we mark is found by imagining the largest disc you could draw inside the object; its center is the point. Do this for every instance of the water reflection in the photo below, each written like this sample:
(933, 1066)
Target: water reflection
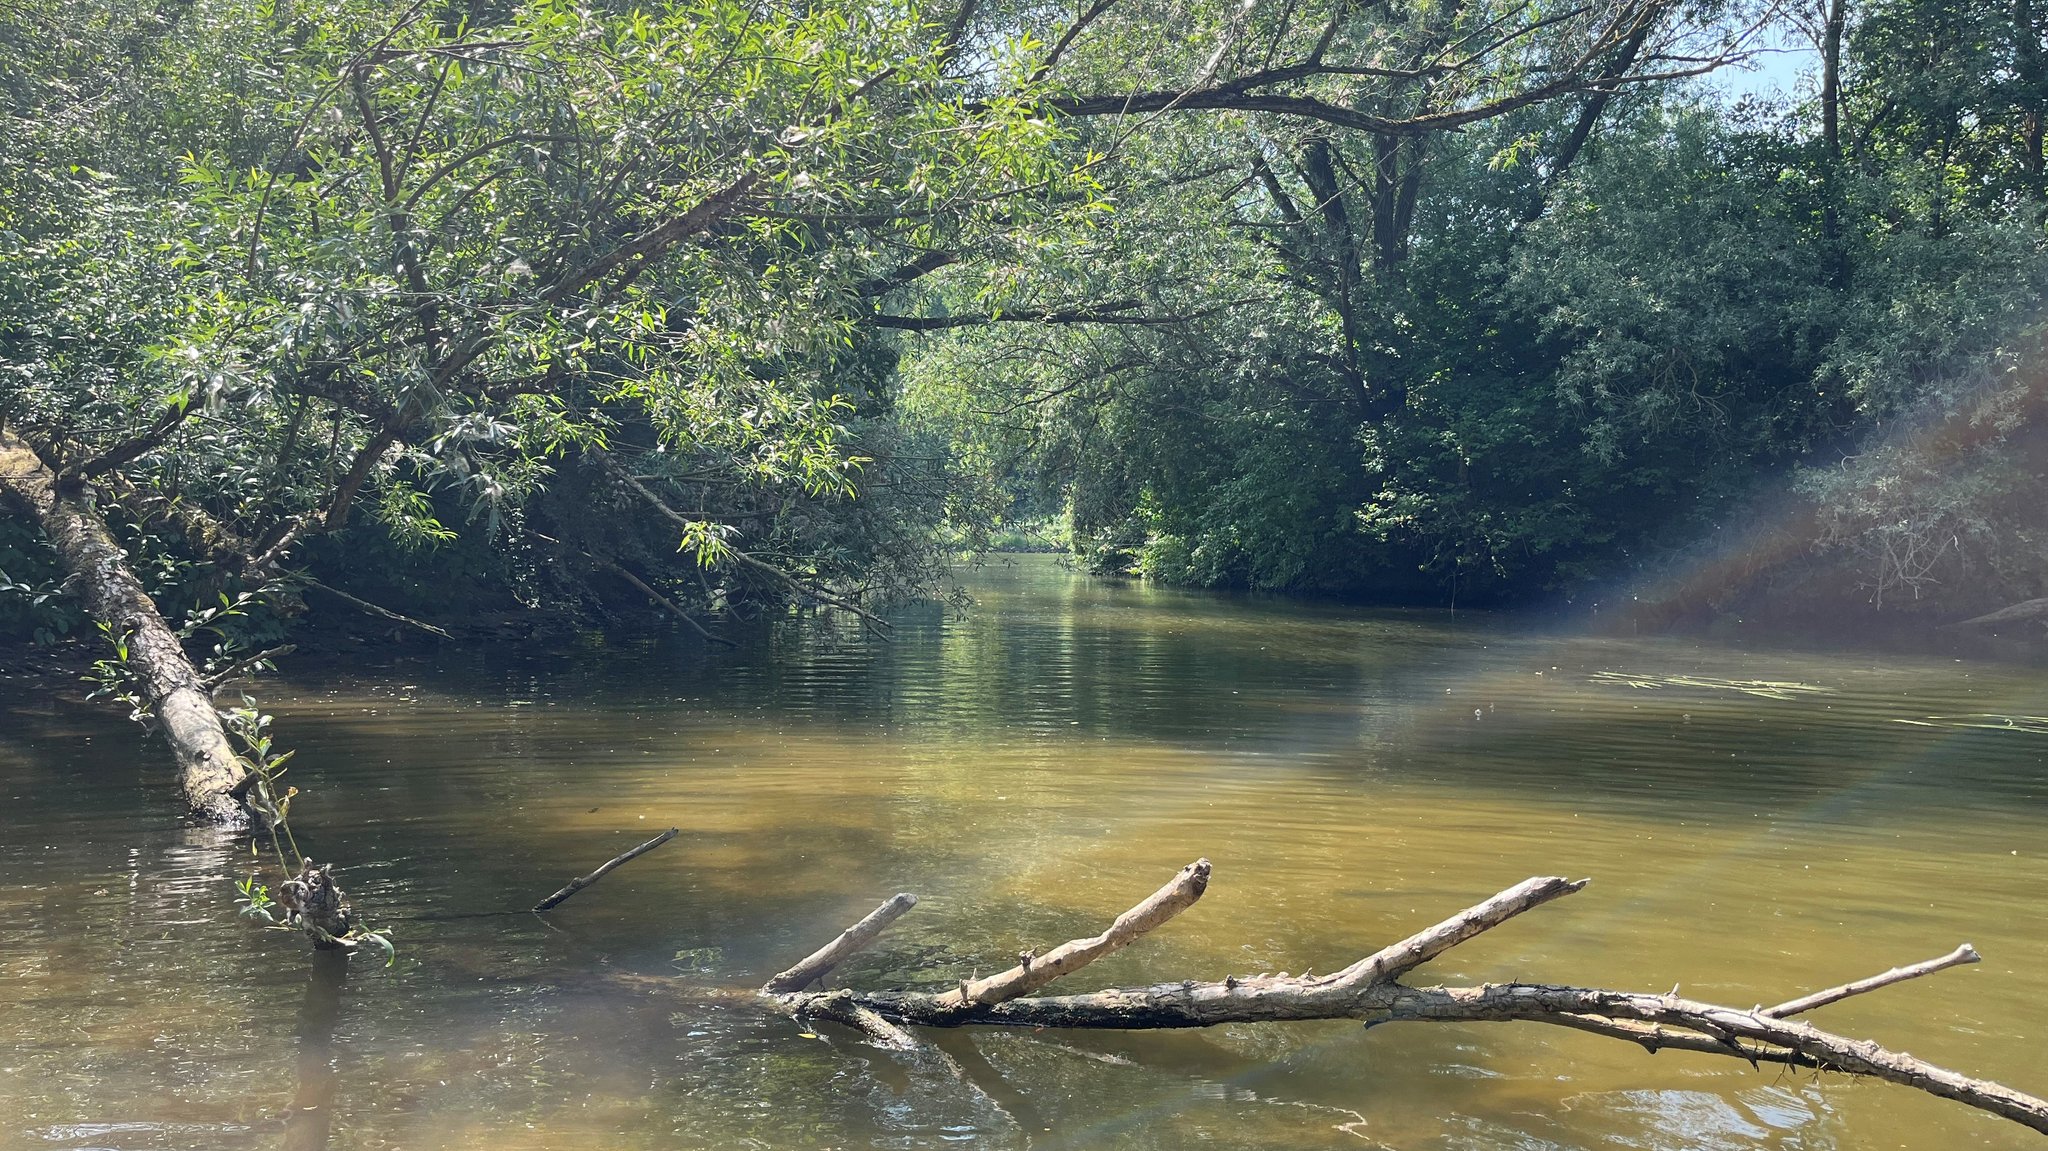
(309, 1120)
(1029, 770)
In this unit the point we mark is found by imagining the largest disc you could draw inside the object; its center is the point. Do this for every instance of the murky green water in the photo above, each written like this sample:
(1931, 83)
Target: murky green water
(1757, 825)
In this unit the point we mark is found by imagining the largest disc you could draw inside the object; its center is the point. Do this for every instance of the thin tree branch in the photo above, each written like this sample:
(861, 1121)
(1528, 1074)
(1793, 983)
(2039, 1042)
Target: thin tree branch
(1956, 958)
(373, 609)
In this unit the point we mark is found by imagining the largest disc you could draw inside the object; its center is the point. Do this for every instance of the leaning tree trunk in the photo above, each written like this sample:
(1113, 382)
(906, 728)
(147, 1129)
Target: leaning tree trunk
(1371, 990)
(209, 773)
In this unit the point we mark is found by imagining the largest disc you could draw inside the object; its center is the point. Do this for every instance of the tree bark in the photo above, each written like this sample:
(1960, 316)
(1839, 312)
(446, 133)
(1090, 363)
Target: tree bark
(317, 905)
(1832, 29)
(209, 773)
(1032, 972)
(1340, 248)
(819, 963)
(1370, 990)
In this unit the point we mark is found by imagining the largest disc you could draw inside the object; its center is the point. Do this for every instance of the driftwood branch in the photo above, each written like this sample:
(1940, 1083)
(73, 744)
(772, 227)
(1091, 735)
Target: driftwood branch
(845, 1007)
(1504, 1001)
(1956, 958)
(1032, 973)
(576, 885)
(1418, 949)
(815, 965)
(1370, 990)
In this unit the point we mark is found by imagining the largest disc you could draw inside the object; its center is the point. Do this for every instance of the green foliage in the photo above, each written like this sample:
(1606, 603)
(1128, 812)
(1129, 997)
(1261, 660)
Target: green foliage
(843, 288)
(1549, 377)
(250, 727)
(33, 606)
(387, 260)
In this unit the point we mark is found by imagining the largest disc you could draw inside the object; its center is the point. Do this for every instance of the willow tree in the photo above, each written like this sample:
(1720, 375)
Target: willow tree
(1311, 205)
(399, 258)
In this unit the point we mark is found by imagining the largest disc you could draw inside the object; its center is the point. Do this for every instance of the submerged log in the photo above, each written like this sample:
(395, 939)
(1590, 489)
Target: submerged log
(210, 775)
(1370, 990)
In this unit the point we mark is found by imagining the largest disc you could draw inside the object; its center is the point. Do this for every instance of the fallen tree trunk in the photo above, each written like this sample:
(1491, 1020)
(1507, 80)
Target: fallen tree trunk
(2032, 609)
(210, 775)
(1370, 990)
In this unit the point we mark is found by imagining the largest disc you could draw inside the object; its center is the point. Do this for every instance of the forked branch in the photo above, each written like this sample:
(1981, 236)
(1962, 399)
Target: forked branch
(1032, 973)
(1370, 990)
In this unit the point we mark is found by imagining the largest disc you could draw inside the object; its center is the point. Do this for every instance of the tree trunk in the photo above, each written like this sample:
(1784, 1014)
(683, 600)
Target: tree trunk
(209, 772)
(2033, 86)
(1340, 242)
(1831, 136)
(1386, 183)
(1831, 77)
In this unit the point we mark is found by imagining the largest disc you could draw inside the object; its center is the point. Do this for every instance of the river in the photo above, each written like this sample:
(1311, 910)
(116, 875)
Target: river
(1757, 824)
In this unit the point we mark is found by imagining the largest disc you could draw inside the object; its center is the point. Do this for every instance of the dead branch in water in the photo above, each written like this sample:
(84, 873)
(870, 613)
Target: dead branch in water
(815, 965)
(576, 885)
(674, 608)
(1370, 990)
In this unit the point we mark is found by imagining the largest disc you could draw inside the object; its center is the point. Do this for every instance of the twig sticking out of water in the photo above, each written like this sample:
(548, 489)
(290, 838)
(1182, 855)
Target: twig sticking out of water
(576, 885)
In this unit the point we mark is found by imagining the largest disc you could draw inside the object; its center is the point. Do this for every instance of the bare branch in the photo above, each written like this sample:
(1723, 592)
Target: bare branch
(136, 446)
(1537, 1001)
(1030, 974)
(616, 861)
(651, 244)
(802, 587)
(1397, 960)
(818, 963)
(1956, 958)
(235, 670)
(384, 612)
(1652, 1038)
(1067, 38)
(1370, 990)
(674, 608)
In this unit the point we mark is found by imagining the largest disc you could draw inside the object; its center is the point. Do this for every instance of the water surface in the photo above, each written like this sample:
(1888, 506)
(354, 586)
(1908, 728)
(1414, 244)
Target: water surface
(1757, 824)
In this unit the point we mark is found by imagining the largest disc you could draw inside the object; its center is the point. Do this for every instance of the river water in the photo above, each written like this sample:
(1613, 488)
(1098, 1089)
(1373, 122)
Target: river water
(1757, 824)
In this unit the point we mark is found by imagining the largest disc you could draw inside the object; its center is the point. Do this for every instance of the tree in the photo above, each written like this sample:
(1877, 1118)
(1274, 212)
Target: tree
(429, 261)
